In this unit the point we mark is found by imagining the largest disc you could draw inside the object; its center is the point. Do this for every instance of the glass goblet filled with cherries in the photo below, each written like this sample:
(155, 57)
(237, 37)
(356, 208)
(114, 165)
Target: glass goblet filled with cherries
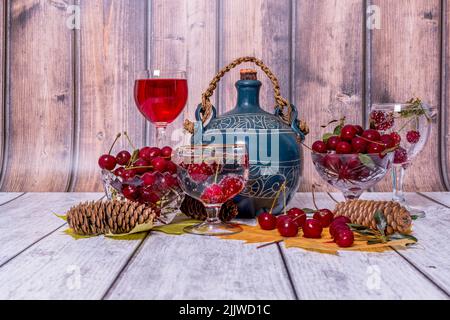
(212, 174)
(410, 125)
(353, 159)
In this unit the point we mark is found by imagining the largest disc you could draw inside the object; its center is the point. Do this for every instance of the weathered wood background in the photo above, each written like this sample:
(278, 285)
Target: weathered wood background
(66, 92)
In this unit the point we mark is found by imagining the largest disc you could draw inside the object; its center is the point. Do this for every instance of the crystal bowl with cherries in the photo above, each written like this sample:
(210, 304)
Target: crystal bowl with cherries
(146, 175)
(352, 159)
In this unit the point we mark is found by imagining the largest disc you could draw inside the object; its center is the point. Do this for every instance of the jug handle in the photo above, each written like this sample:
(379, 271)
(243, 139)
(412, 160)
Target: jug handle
(300, 128)
(199, 111)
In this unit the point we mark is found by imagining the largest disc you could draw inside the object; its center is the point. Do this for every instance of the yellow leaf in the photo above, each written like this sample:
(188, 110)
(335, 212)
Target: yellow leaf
(254, 234)
(176, 227)
(74, 235)
(62, 216)
(137, 229)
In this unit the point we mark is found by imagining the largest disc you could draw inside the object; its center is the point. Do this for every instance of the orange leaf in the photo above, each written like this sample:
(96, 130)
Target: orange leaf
(254, 234)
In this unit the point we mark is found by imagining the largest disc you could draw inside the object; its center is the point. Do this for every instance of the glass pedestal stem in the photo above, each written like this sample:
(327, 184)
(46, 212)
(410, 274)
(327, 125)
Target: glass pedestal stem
(398, 174)
(160, 136)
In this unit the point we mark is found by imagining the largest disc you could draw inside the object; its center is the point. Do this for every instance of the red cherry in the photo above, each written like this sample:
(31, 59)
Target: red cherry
(312, 229)
(141, 163)
(144, 153)
(372, 135)
(267, 221)
(343, 148)
(119, 171)
(280, 219)
(166, 152)
(325, 217)
(213, 195)
(359, 145)
(171, 167)
(231, 186)
(159, 164)
(123, 157)
(199, 172)
(147, 195)
(128, 174)
(298, 216)
(396, 137)
(130, 192)
(413, 136)
(319, 147)
(332, 162)
(287, 227)
(342, 219)
(344, 238)
(387, 140)
(375, 148)
(149, 179)
(336, 226)
(400, 156)
(168, 182)
(353, 161)
(107, 162)
(348, 132)
(332, 142)
(359, 130)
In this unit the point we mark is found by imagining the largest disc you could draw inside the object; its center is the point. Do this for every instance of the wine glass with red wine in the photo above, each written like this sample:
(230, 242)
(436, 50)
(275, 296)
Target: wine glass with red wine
(160, 96)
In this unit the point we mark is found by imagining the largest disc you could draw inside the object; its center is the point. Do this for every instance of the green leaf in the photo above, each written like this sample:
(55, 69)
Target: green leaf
(309, 210)
(62, 216)
(374, 241)
(176, 228)
(327, 136)
(400, 236)
(380, 219)
(137, 229)
(338, 129)
(366, 160)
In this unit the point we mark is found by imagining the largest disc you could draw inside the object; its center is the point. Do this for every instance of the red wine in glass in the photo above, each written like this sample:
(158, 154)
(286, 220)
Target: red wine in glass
(161, 98)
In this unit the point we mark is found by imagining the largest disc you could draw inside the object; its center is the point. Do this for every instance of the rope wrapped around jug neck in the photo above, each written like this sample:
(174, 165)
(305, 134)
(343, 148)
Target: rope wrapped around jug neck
(206, 110)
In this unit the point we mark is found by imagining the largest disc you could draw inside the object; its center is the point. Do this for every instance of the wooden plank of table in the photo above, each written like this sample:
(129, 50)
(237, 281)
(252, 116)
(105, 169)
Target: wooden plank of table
(440, 197)
(2, 79)
(432, 254)
(355, 275)
(195, 267)
(59, 267)
(333, 29)
(403, 28)
(24, 223)
(40, 90)
(258, 28)
(6, 197)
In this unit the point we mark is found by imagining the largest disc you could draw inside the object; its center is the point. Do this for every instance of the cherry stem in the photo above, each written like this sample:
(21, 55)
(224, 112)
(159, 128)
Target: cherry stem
(115, 140)
(277, 196)
(269, 244)
(129, 140)
(332, 198)
(314, 196)
(141, 167)
(376, 142)
(307, 147)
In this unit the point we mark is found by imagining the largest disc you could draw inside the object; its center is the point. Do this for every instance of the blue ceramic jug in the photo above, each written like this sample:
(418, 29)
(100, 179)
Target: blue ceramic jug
(273, 140)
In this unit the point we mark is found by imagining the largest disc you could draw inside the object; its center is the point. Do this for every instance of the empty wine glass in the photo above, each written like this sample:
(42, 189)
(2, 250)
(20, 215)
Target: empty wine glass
(212, 174)
(160, 96)
(410, 124)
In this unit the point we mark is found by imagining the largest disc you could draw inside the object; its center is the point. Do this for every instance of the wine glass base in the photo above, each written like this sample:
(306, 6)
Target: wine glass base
(213, 229)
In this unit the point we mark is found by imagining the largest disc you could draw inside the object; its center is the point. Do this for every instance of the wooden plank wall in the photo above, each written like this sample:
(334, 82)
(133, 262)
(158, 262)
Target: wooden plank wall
(66, 93)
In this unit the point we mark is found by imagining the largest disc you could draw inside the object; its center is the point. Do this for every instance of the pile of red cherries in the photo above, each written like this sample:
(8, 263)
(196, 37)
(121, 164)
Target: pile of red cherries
(289, 224)
(146, 175)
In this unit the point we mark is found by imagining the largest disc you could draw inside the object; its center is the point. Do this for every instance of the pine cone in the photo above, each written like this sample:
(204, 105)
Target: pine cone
(196, 210)
(362, 212)
(114, 216)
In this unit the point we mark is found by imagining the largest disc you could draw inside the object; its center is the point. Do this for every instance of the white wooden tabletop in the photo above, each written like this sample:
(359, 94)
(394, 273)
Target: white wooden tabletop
(39, 261)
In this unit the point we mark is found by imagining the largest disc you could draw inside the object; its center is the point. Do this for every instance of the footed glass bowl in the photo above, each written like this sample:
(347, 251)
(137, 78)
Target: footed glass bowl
(159, 190)
(352, 173)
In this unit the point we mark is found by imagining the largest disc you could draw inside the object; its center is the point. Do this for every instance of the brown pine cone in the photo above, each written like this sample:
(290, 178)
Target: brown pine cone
(362, 212)
(196, 210)
(113, 216)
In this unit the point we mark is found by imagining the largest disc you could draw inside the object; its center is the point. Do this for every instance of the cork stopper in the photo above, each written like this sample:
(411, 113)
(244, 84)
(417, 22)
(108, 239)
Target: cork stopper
(248, 74)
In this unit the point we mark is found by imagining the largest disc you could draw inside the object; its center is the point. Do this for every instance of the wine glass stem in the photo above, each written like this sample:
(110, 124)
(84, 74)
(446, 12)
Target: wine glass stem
(160, 136)
(398, 174)
(212, 214)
